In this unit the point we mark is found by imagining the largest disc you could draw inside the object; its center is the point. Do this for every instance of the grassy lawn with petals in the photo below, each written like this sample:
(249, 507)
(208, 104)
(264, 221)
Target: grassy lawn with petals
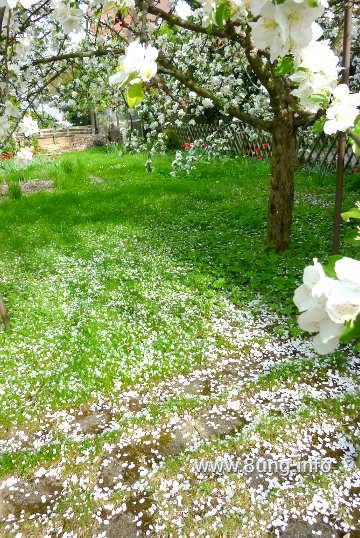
(153, 329)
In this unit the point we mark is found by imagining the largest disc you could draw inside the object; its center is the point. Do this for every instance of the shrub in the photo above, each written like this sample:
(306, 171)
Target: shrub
(172, 140)
(99, 142)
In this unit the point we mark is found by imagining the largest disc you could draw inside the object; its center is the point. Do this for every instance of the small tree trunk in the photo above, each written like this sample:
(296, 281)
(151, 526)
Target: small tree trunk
(281, 198)
(4, 314)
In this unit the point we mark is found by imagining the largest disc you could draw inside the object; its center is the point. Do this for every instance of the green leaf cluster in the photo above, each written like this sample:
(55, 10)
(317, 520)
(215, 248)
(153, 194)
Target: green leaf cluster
(285, 66)
(356, 130)
(318, 126)
(135, 94)
(222, 13)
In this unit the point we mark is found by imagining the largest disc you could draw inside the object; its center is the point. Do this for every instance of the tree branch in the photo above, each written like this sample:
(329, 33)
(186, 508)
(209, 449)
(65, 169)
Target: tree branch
(74, 55)
(174, 20)
(258, 123)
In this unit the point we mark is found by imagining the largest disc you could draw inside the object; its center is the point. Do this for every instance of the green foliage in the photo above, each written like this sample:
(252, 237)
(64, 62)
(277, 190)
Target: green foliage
(114, 147)
(69, 172)
(318, 126)
(320, 98)
(101, 276)
(285, 66)
(353, 213)
(172, 140)
(15, 192)
(35, 143)
(135, 94)
(223, 12)
(352, 332)
(9, 148)
(356, 130)
(329, 268)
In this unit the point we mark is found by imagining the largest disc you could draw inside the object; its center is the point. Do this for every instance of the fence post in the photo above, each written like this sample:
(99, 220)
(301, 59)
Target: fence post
(342, 136)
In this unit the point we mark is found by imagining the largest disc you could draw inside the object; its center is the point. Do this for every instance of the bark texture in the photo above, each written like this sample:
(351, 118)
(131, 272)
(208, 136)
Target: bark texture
(281, 199)
(4, 315)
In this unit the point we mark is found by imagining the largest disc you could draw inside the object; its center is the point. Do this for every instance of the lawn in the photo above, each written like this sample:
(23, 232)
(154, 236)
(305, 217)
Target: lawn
(152, 329)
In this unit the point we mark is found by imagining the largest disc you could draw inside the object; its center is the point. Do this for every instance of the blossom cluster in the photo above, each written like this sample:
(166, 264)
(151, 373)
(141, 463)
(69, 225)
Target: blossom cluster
(316, 74)
(137, 65)
(200, 150)
(286, 27)
(290, 27)
(68, 16)
(329, 304)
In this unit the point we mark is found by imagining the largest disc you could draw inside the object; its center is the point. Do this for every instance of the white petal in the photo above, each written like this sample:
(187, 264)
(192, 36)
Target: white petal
(329, 330)
(330, 127)
(313, 273)
(348, 269)
(323, 288)
(343, 302)
(310, 320)
(324, 349)
(117, 78)
(303, 298)
(341, 92)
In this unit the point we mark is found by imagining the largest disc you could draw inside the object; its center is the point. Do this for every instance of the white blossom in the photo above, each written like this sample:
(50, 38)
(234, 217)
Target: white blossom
(343, 111)
(23, 157)
(182, 9)
(348, 269)
(286, 27)
(69, 17)
(28, 126)
(328, 303)
(138, 63)
(317, 72)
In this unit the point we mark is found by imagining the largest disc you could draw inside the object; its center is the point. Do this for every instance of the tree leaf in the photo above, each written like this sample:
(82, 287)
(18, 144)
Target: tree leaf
(320, 98)
(285, 66)
(219, 15)
(318, 126)
(351, 332)
(353, 213)
(329, 268)
(135, 94)
(223, 12)
(356, 130)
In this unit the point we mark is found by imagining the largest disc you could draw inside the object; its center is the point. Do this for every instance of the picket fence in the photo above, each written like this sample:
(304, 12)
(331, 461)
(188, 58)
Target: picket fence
(322, 153)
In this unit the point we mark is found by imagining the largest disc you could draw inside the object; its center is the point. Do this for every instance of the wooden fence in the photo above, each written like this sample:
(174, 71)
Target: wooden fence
(248, 141)
(66, 139)
(323, 152)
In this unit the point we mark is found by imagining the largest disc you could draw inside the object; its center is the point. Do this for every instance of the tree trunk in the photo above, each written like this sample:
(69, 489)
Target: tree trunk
(283, 165)
(4, 315)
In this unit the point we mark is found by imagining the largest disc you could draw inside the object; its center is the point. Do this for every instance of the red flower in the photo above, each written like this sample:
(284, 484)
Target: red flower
(258, 150)
(186, 145)
(258, 157)
(265, 145)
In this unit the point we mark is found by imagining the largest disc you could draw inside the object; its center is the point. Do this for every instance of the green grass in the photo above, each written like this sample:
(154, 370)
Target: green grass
(118, 283)
(77, 265)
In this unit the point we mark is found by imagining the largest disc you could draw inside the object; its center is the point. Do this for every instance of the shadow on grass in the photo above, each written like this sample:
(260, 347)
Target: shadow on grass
(214, 220)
